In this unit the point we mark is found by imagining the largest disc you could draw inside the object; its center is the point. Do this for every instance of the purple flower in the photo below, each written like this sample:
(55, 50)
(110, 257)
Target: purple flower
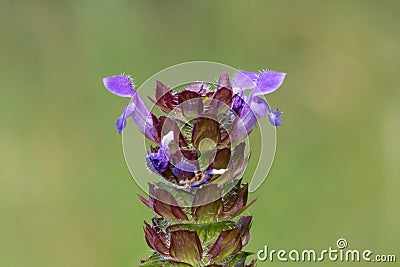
(158, 162)
(259, 84)
(261, 108)
(122, 85)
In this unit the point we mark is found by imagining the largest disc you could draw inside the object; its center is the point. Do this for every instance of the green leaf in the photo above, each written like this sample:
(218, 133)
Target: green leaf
(208, 213)
(186, 246)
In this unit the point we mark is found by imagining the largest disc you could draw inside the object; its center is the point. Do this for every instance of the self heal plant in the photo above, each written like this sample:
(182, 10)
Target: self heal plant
(198, 149)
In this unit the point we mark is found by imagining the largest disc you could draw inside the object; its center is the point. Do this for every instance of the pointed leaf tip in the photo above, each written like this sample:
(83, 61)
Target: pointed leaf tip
(224, 81)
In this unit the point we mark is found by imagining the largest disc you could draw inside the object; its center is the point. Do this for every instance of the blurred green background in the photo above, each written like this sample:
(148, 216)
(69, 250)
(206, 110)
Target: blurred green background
(66, 196)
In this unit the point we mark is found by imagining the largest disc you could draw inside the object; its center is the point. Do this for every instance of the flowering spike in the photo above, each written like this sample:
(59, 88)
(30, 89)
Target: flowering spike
(199, 149)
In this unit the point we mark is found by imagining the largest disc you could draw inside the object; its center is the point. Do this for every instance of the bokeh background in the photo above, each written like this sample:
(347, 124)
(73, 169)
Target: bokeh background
(66, 196)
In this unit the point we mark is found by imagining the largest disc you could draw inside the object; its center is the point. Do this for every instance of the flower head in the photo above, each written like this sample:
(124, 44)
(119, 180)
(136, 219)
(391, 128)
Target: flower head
(201, 123)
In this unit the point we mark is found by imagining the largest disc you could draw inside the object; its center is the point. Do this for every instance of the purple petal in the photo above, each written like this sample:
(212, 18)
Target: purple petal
(275, 117)
(157, 162)
(119, 85)
(248, 118)
(268, 82)
(245, 79)
(259, 106)
(121, 121)
(141, 115)
(237, 104)
(122, 86)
